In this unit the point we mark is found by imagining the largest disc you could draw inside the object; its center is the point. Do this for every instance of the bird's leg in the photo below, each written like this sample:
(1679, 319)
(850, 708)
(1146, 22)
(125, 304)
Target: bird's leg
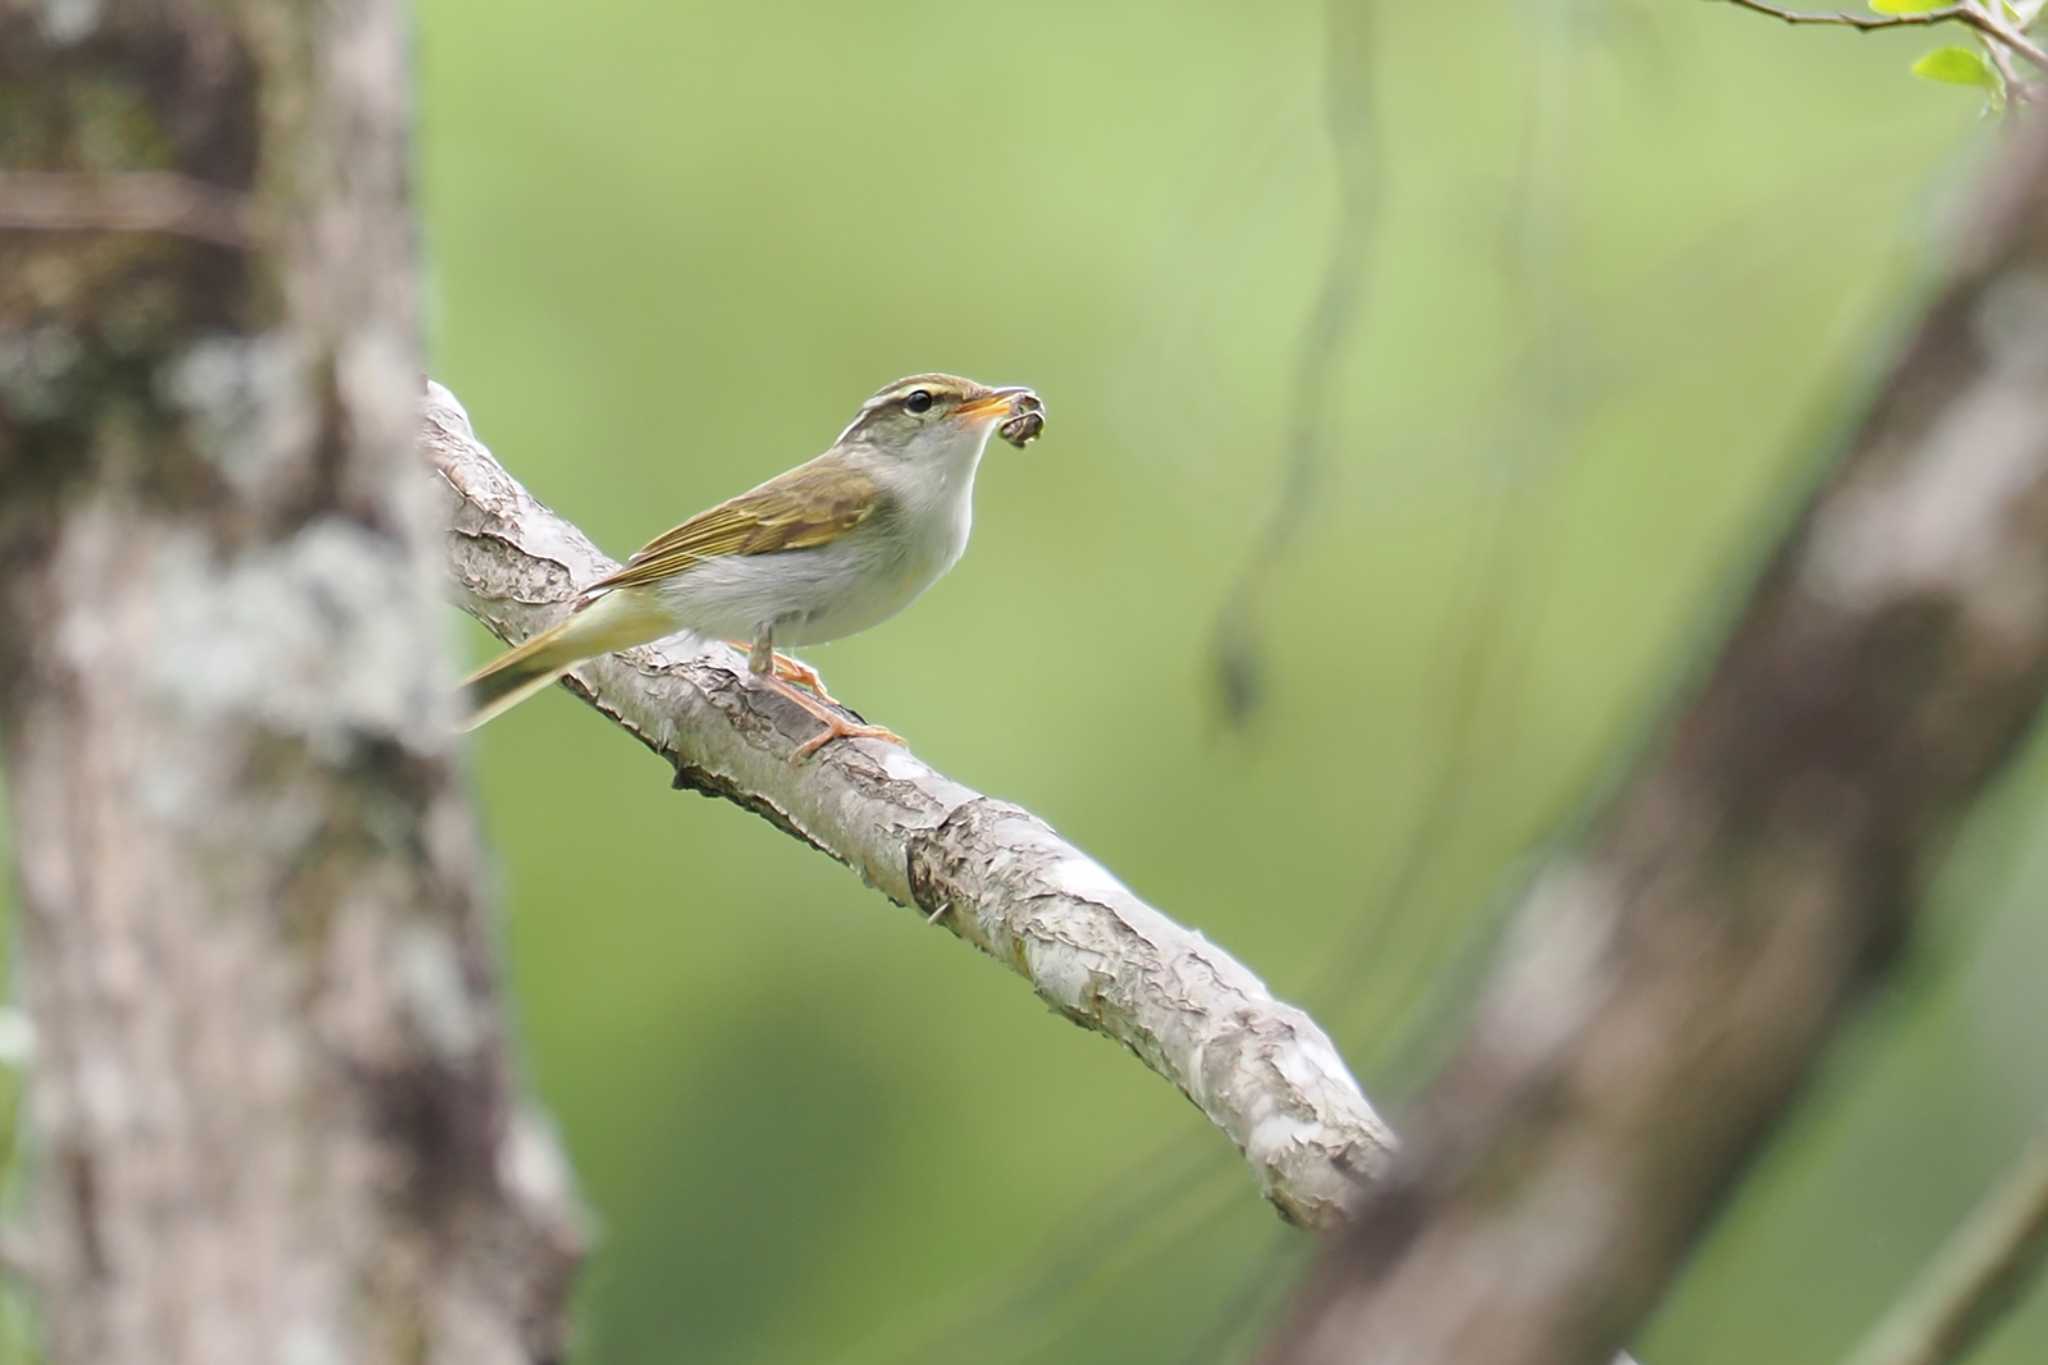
(761, 662)
(790, 669)
(760, 654)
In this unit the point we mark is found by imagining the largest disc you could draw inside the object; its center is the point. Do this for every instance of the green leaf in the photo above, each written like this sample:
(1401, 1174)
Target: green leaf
(1956, 66)
(1907, 6)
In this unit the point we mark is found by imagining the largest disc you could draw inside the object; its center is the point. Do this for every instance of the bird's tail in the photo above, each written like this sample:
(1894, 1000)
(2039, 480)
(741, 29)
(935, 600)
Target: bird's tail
(615, 620)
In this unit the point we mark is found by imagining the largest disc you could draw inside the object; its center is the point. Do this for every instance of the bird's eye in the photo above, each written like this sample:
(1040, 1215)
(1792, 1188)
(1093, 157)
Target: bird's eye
(918, 400)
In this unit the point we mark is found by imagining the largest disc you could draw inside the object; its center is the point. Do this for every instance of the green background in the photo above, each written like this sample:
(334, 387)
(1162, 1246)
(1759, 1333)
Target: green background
(1630, 267)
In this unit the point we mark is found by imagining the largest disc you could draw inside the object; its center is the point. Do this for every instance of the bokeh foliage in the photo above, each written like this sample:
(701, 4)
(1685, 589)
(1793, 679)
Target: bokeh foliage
(1631, 265)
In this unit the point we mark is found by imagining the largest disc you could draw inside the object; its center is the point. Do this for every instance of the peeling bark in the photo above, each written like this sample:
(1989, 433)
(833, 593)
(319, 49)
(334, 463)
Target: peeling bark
(274, 1110)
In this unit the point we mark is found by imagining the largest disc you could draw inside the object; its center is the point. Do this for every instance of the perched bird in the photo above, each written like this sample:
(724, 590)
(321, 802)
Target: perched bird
(829, 548)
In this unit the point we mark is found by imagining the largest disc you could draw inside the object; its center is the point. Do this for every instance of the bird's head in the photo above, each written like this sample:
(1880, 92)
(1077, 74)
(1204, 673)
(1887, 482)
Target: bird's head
(942, 418)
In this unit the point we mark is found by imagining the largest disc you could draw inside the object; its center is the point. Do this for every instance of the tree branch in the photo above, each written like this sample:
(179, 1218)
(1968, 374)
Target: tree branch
(126, 201)
(1981, 1271)
(987, 871)
(1666, 986)
(1969, 16)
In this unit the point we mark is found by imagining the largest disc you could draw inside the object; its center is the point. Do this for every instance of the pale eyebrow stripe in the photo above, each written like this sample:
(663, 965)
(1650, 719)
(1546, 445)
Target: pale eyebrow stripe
(881, 400)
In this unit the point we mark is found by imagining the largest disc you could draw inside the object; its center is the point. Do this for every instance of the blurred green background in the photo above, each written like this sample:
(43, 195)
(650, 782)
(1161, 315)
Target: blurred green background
(1628, 267)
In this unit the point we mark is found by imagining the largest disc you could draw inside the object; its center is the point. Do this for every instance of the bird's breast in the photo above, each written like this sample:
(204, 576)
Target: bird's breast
(890, 560)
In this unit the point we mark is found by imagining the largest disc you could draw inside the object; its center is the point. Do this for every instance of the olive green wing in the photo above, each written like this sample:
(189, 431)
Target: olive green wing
(813, 504)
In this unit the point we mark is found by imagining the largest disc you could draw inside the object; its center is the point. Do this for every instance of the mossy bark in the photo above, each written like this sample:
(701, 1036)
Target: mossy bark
(272, 1101)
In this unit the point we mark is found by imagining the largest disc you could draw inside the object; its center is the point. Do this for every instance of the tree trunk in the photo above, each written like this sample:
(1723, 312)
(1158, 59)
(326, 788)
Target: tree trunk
(1669, 982)
(273, 1109)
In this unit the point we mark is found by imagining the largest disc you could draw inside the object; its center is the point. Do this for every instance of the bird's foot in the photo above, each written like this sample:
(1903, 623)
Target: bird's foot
(836, 725)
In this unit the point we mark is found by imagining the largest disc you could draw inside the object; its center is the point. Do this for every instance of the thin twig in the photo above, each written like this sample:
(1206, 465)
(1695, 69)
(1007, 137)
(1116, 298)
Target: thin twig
(1967, 15)
(2008, 74)
(126, 201)
(1982, 1271)
(1328, 338)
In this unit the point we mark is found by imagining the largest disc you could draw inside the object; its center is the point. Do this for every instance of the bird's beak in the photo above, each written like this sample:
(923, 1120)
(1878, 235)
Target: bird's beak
(992, 405)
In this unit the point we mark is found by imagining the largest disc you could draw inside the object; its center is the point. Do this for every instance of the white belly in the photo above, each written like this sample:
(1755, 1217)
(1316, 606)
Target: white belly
(819, 594)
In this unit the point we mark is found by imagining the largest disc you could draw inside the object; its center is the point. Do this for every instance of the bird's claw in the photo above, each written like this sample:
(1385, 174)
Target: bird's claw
(837, 727)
